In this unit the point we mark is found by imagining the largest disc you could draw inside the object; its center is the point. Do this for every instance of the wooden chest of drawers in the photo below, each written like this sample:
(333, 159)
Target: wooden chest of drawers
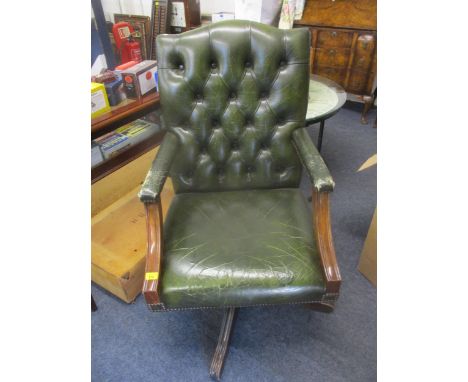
(344, 44)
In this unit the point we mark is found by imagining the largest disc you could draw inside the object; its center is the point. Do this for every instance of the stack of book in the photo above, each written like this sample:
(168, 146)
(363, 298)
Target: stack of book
(113, 143)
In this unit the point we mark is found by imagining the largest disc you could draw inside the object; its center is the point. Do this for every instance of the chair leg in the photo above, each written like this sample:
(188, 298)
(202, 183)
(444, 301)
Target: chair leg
(219, 356)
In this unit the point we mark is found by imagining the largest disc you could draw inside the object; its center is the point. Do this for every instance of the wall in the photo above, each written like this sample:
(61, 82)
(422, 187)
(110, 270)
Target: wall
(207, 7)
(131, 7)
(143, 7)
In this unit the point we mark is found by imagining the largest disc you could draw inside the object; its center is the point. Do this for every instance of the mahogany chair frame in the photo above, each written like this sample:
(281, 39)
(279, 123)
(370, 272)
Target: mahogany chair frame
(324, 241)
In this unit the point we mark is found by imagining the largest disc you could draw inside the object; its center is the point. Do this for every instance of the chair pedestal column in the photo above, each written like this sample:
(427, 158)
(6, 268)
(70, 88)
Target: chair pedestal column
(219, 356)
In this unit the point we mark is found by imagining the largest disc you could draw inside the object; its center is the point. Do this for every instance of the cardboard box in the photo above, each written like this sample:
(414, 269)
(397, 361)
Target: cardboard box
(99, 101)
(139, 79)
(368, 260)
(118, 229)
(114, 95)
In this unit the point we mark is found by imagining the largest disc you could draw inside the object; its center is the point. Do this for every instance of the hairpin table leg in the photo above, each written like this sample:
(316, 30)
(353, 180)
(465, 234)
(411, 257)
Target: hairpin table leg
(223, 343)
(93, 304)
(319, 143)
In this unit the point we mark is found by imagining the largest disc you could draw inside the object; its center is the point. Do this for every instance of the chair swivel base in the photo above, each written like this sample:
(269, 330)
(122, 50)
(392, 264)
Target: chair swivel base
(222, 346)
(227, 325)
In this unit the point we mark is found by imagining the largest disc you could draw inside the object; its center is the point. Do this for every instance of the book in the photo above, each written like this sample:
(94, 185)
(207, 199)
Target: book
(124, 137)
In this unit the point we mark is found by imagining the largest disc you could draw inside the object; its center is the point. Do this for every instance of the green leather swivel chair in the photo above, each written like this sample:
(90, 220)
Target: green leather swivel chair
(238, 232)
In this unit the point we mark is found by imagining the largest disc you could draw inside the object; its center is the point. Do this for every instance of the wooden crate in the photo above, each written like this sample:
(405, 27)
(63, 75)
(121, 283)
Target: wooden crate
(118, 229)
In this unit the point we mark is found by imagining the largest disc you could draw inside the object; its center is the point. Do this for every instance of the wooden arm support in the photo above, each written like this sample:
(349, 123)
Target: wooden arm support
(324, 239)
(154, 228)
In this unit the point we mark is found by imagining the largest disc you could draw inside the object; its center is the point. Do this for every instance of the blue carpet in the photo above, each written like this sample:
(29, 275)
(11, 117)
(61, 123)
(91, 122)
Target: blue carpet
(281, 343)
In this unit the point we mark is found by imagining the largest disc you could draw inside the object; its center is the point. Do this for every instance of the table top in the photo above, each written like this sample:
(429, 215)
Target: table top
(325, 99)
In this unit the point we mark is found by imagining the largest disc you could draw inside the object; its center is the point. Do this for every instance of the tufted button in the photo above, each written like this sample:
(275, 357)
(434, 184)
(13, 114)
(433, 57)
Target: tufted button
(248, 121)
(232, 96)
(235, 145)
(181, 67)
(198, 97)
(264, 145)
(264, 95)
(213, 65)
(215, 123)
(248, 64)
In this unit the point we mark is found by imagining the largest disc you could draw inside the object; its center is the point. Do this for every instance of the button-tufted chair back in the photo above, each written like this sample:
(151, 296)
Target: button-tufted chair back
(233, 92)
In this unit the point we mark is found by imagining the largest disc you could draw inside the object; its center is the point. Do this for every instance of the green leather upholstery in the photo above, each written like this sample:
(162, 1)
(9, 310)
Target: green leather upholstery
(238, 232)
(233, 93)
(154, 181)
(239, 248)
(313, 162)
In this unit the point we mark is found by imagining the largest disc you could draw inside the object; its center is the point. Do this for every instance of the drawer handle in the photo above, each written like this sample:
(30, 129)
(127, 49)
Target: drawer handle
(333, 34)
(332, 52)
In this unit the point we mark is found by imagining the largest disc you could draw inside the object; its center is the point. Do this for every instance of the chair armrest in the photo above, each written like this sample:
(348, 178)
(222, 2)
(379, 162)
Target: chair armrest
(324, 240)
(323, 184)
(312, 161)
(157, 175)
(154, 229)
(150, 196)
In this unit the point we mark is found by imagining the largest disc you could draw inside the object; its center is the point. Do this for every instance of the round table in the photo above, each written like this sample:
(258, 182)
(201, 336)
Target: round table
(325, 99)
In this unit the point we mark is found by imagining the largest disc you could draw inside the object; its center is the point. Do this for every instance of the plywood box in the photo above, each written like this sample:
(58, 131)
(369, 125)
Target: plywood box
(118, 229)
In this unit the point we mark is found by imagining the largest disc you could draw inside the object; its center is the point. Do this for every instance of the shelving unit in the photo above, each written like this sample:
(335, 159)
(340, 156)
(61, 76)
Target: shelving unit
(126, 112)
(123, 113)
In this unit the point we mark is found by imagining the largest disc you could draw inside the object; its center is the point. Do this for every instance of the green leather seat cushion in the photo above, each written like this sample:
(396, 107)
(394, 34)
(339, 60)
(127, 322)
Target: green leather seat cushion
(239, 248)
